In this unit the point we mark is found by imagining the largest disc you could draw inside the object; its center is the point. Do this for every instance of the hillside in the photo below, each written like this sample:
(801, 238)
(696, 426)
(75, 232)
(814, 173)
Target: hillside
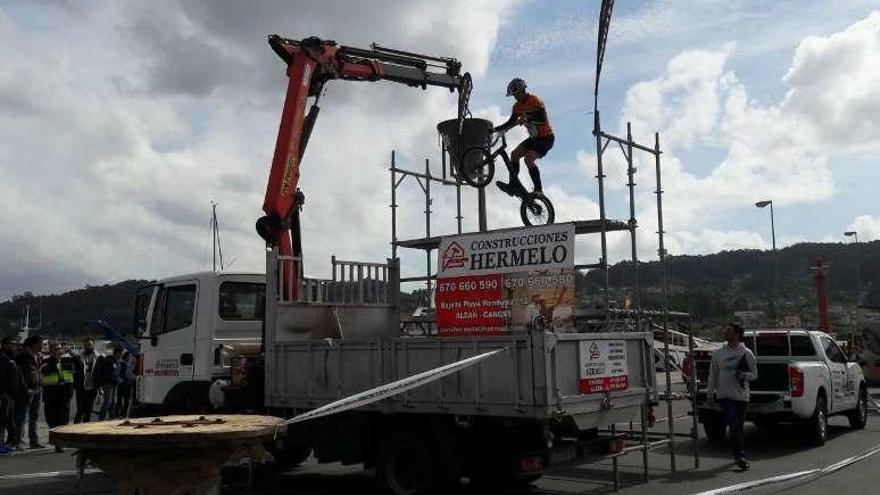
(710, 287)
(64, 314)
(713, 287)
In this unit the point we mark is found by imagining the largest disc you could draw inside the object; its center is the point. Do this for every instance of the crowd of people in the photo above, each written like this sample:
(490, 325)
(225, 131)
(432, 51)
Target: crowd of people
(29, 380)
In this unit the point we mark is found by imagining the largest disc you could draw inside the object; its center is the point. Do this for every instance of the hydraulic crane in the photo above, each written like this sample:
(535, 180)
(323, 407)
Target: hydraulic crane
(312, 62)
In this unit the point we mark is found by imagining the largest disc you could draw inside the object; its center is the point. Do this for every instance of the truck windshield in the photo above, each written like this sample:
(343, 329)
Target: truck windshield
(242, 300)
(777, 344)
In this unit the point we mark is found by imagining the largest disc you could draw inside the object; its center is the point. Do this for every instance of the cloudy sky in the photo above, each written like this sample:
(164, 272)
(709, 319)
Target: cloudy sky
(121, 121)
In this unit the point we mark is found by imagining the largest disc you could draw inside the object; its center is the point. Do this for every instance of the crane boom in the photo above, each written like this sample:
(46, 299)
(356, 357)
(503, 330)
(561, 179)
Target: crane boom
(312, 62)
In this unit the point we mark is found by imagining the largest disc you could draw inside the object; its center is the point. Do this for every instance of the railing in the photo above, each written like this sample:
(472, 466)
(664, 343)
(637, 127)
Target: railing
(353, 283)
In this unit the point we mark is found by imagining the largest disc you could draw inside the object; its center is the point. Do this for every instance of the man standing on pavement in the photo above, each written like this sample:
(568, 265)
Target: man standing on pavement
(85, 370)
(11, 388)
(111, 377)
(125, 389)
(57, 388)
(733, 367)
(29, 361)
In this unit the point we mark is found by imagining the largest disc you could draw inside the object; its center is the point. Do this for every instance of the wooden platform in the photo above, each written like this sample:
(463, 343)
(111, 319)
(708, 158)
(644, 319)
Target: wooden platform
(168, 455)
(187, 431)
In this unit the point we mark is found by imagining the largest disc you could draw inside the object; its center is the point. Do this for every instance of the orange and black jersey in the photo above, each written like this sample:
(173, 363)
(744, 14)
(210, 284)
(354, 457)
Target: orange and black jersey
(532, 114)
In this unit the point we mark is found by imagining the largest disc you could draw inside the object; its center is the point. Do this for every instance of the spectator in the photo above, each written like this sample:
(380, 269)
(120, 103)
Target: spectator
(11, 388)
(29, 361)
(84, 374)
(733, 367)
(57, 374)
(123, 393)
(111, 377)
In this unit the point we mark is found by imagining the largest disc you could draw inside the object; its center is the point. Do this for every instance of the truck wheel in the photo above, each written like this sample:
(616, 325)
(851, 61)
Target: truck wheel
(858, 417)
(715, 427)
(405, 465)
(817, 426)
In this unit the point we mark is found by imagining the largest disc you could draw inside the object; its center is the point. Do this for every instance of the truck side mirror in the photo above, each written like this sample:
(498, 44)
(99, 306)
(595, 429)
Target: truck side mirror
(154, 340)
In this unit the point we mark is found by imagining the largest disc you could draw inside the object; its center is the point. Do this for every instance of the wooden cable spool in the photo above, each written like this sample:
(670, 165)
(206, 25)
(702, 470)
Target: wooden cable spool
(169, 455)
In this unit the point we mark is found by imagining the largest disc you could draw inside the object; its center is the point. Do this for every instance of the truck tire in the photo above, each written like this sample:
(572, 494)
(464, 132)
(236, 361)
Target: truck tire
(406, 467)
(817, 426)
(858, 417)
(715, 427)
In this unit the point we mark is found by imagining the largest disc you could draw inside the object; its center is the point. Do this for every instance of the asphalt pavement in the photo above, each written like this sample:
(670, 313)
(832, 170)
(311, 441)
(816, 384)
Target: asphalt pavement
(772, 453)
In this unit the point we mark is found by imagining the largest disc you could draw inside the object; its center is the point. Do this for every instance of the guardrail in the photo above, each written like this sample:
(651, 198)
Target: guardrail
(353, 283)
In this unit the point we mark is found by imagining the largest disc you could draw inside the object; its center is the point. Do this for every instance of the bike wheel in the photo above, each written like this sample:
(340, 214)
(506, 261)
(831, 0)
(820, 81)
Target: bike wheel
(477, 167)
(537, 210)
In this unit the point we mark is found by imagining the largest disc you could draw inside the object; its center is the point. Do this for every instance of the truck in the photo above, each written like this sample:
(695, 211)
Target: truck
(308, 341)
(191, 328)
(803, 378)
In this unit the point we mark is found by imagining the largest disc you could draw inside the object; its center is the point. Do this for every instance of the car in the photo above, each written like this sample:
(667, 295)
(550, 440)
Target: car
(803, 377)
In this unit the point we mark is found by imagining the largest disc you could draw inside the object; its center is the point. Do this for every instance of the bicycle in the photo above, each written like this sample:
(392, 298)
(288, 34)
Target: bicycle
(478, 168)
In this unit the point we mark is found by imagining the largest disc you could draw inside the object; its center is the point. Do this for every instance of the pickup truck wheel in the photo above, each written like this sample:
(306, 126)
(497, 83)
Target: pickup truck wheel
(715, 427)
(858, 417)
(405, 465)
(817, 426)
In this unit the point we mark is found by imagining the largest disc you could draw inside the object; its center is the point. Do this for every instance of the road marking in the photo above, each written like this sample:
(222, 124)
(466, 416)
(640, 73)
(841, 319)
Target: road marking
(798, 478)
(49, 474)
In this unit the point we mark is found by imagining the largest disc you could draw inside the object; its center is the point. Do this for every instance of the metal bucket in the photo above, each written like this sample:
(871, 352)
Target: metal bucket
(474, 132)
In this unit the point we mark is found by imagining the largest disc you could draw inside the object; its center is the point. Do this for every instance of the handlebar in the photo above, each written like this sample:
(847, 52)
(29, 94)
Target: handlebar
(498, 136)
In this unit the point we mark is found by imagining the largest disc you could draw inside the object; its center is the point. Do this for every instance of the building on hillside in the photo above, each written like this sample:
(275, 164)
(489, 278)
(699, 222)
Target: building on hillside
(792, 321)
(751, 318)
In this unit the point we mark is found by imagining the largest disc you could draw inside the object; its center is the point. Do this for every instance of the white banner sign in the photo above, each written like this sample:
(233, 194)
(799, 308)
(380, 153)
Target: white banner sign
(508, 251)
(603, 366)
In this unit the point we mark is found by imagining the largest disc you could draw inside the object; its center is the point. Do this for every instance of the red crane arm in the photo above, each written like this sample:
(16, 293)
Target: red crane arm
(312, 62)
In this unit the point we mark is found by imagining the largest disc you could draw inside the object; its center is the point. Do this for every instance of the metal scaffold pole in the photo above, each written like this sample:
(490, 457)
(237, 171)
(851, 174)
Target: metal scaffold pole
(661, 251)
(633, 224)
(600, 177)
(428, 226)
(393, 206)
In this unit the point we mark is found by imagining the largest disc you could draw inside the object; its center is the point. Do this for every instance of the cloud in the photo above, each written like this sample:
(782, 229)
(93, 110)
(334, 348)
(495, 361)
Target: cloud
(867, 226)
(781, 151)
(115, 142)
(834, 84)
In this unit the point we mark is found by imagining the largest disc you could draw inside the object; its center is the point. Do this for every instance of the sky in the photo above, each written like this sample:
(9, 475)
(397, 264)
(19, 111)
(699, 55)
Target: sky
(120, 122)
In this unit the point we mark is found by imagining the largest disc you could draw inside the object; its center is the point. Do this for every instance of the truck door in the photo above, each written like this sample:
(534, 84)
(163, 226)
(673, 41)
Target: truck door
(170, 356)
(842, 393)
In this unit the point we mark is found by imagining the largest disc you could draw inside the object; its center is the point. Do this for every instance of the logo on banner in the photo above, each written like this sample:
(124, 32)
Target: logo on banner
(454, 256)
(594, 351)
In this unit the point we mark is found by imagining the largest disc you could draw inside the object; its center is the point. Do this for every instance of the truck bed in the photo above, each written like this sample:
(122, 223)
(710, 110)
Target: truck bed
(538, 377)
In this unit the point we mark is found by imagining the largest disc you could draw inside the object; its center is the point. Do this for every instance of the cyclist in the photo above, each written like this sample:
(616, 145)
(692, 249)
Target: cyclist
(529, 111)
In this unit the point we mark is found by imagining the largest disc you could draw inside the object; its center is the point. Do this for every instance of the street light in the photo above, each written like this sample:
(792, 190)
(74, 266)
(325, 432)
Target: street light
(764, 204)
(855, 236)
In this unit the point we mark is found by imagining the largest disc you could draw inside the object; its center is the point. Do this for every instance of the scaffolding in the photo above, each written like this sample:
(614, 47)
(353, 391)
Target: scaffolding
(608, 318)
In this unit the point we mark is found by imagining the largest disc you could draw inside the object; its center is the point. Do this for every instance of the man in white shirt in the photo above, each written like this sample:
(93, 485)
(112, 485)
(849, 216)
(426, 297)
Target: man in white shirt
(733, 367)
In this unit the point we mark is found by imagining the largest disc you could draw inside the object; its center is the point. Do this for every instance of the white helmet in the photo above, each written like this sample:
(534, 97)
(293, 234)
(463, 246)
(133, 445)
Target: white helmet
(515, 86)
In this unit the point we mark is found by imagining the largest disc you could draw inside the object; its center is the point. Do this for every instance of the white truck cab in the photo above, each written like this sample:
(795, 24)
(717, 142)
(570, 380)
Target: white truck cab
(191, 326)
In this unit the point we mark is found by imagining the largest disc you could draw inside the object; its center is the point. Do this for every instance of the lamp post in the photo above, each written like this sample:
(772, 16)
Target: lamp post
(776, 312)
(855, 236)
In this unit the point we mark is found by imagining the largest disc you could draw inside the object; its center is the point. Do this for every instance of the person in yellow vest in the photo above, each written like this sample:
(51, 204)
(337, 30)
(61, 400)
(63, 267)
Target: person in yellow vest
(57, 374)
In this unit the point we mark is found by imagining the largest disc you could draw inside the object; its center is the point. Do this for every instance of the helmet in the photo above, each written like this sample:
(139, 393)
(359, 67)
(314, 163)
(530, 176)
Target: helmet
(515, 86)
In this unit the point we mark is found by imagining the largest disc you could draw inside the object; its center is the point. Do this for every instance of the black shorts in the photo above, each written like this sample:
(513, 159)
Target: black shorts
(540, 145)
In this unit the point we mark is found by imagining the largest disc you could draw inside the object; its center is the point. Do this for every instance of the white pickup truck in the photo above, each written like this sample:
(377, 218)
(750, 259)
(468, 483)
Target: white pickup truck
(803, 377)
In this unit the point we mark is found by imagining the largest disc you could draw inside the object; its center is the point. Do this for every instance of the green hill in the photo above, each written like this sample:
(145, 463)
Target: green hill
(711, 287)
